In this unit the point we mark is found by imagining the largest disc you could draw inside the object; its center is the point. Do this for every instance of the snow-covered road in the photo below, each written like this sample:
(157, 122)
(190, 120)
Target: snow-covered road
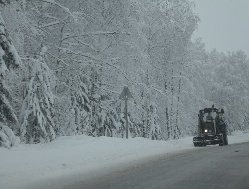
(84, 156)
(208, 168)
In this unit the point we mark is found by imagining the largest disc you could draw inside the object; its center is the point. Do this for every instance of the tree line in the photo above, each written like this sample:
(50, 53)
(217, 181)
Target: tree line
(66, 62)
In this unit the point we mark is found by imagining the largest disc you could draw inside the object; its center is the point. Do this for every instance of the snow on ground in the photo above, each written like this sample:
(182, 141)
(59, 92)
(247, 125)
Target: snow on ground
(25, 164)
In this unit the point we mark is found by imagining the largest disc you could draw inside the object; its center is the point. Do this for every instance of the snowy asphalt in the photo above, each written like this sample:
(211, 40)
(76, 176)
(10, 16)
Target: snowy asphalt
(208, 168)
(225, 167)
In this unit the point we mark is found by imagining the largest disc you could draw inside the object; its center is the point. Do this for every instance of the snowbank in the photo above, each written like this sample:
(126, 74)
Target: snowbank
(238, 137)
(24, 164)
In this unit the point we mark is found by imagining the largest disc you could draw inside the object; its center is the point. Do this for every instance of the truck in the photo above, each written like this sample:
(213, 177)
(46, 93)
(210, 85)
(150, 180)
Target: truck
(212, 128)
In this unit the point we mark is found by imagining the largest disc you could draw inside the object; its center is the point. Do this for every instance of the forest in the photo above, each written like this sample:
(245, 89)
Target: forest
(63, 65)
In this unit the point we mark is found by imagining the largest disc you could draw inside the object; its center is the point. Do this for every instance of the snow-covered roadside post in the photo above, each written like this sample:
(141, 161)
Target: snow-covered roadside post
(125, 95)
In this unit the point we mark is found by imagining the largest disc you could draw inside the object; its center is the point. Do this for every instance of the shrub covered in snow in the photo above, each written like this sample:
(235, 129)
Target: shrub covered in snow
(7, 137)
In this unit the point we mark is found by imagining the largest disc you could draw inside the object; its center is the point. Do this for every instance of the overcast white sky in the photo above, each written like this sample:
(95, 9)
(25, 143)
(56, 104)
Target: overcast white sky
(224, 24)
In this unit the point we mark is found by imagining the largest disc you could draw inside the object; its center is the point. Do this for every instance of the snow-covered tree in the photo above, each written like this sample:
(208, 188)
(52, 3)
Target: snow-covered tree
(37, 123)
(77, 120)
(9, 59)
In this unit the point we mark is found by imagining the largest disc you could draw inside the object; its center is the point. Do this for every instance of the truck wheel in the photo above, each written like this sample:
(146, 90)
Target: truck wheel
(197, 144)
(225, 140)
(222, 143)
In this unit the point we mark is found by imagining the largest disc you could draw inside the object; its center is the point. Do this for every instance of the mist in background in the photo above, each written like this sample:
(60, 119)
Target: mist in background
(224, 24)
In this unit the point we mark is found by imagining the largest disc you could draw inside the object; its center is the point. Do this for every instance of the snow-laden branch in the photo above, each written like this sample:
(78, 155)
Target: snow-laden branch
(49, 24)
(59, 5)
(95, 33)
(85, 44)
(57, 58)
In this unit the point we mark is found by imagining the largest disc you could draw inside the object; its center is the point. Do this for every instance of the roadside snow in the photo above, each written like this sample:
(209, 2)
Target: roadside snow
(25, 164)
(238, 137)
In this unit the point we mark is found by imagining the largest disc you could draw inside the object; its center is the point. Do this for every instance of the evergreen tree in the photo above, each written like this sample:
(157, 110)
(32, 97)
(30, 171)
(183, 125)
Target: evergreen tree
(8, 59)
(38, 107)
(80, 106)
